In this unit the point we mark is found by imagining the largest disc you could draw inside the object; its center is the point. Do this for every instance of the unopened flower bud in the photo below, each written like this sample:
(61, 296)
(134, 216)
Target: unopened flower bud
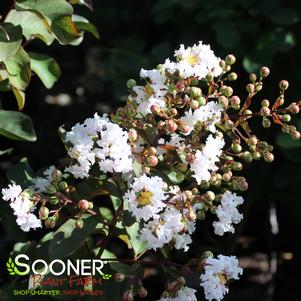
(181, 280)
(236, 147)
(54, 200)
(285, 128)
(248, 112)
(201, 215)
(230, 59)
(266, 123)
(232, 76)
(250, 88)
(295, 135)
(79, 223)
(227, 91)
(227, 176)
(133, 135)
(119, 277)
(51, 189)
(194, 82)
(209, 196)
(223, 101)
(173, 111)
(237, 166)
(190, 158)
(155, 109)
(171, 125)
(283, 85)
(286, 118)
(43, 213)
(161, 125)
(207, 255)
(50, 222)
(131, 83)
(252, 77)
(201, 100)
(56, 175)
(247, 156)
(294, 108)
(195, 92)
(83, 204)
(63, 186)
(142, 292)
(268, 157)
(194, 104)
(265, 103)
(264, 71)
(180, 86)
(256, 155)
(253, 140)
(152, 161)
(265, 111)
(91, 205)
(128, 296)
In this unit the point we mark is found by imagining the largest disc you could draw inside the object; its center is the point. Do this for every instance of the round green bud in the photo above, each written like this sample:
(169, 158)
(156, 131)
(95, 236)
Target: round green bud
(43, 213)
(253, 140)
(237, 166)
(194, 82)
(253, 77)
(286, 118)
(295, 135)
(54, 200)
(63, 186)
(265, 103)
(256, 155)
(209, 77)
(56, 175)
(202, 101)
(248, 112)
(209, 196)
(268, 157)
(258, 87)
(131, 83)
(283, 85)
(51, 189)
(232, 76)
(236, 147)
(223, 101)
(230, 59)
(206, 255)
(195, 92)
(50, 222)
(266, 123)
(227, 91)
(227, 176)
(264, 71)
(222, 64)
(205, 185)
(247, 156)
(79, 224)
(250, 88)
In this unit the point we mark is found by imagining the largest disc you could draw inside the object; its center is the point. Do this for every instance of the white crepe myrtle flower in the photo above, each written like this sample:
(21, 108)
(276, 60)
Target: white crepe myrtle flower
(175, 140)
(168, 227)
(98, 140)
(218, 272)
(145, 198)
(41, 183)
(198, 61)
(22, 207)
(227, 213)
(205, 160)
(184, 294)
(208, 115)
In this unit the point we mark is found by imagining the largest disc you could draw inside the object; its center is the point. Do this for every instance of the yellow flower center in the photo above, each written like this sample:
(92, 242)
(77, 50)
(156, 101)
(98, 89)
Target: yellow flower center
(144, 198)
(222, 278)
(192, 59)
(148, 90)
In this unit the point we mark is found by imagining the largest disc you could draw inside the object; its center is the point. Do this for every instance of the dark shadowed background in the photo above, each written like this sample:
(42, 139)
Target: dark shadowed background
(137, 34)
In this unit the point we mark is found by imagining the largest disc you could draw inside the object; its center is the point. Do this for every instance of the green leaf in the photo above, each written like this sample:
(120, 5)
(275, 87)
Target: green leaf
(106, 213)
(90, 188)
(16, 126)
(287, 143)
(18, 68)
(51, 10)
(20, 97)
(21, 173)
(175, 177)
(10, 40)
(67, 239)
(65, 30)
(33, 25)
(45, 67)
(84, 25)
(133, 232)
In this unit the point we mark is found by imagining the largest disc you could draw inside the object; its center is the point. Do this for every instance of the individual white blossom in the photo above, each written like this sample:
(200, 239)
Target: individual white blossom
(22, 207)
(184, 294)
(227, 213)
(218, 272)
(208, 115)
(41, 183)
(98, 140)
(146, 196)
(205, 160)
(198, 61)
(175, 140)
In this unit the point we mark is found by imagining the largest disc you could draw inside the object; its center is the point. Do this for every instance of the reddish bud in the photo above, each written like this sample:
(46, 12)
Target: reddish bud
(83, 205)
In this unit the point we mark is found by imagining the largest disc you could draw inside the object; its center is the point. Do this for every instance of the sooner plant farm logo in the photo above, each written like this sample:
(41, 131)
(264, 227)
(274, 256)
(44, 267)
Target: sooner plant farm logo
(65, 276)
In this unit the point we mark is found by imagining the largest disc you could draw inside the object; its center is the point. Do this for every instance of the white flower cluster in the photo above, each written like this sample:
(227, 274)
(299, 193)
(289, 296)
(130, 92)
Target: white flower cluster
(198, 61)
(205, 160)
(184, 294)
(22, 207)
(100, 141)
(162, 223)
(218, 272)
(228, 213)
(208, 115)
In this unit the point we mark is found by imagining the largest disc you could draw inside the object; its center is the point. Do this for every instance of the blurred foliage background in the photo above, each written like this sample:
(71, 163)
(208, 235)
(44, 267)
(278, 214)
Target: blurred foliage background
(137, 34)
